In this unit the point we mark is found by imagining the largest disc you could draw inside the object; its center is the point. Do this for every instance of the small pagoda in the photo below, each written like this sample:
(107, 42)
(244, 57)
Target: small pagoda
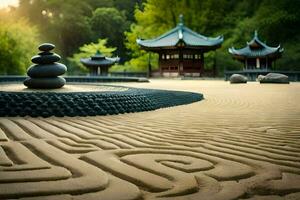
(98, 64)
(181, 51)
(256, 55)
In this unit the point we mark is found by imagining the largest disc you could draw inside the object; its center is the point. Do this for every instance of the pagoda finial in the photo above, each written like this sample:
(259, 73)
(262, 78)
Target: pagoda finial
(255, 33)
(181, 19)
(98, 52)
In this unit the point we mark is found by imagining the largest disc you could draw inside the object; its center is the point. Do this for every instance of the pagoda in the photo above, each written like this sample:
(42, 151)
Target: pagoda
(98, 64)
(256, 55)
(181, 51)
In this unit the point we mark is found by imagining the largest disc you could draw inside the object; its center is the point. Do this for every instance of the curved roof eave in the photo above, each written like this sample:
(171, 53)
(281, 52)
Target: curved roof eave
(250, 53)
(178, 34)
(213, 42)
(107, 62)
(274, 55)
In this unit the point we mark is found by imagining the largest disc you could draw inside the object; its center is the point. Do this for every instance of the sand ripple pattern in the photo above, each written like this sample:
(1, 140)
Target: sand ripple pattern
(241, 142)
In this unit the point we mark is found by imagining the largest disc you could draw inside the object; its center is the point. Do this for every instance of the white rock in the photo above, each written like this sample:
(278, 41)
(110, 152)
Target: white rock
(273, 78)
(238, 78)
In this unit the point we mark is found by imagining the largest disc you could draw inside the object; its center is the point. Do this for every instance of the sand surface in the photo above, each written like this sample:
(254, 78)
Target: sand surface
(241, 142)
(14, 87)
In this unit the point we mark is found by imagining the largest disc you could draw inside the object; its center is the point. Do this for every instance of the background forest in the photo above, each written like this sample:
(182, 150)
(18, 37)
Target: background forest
(79, 27)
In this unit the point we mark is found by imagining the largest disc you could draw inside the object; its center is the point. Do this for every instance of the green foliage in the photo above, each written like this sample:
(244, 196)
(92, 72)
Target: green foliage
(139, 64)
(110, 23)
(275, 15)
(277, 21)
(105, 21)
(18, 43)
(71, 23)
(150, 24)
(291, 57)
(62, 23)
(100, 3)
(127, 6)
(86, 51)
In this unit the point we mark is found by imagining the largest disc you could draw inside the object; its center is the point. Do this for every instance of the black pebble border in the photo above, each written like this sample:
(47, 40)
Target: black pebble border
(90, 103)
(80, 79)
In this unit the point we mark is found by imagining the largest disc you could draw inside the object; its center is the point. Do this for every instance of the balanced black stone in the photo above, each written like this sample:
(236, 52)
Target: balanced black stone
(44, 74)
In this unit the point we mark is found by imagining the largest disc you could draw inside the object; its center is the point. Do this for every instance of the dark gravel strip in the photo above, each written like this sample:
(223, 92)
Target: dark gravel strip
(73, 104)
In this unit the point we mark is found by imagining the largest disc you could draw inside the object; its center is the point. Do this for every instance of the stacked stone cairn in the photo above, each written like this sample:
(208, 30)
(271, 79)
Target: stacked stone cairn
(44, 74)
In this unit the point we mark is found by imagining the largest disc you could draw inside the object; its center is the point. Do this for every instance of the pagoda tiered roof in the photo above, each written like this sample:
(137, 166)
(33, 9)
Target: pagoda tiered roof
(99, 60)
(256, 49)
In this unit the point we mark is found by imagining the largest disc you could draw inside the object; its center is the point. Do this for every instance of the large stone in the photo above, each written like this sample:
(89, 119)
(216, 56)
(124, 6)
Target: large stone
(260, 77)
(273, 78)
(43, 53)
(238, 78)
(46, 47)
(45, 83)
(45, 59)
(50, 70)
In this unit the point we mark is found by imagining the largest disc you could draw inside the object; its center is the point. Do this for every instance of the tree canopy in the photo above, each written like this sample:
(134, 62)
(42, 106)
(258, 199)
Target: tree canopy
(110, 23)
(87, 51)
(70, 24)
(18, 43)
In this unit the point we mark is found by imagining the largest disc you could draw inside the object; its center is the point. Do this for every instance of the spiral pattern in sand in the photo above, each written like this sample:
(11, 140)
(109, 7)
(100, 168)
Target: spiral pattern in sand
(241, 142)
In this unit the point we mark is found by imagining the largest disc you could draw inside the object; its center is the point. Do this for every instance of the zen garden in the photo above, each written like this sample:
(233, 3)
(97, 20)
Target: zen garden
(150, 99)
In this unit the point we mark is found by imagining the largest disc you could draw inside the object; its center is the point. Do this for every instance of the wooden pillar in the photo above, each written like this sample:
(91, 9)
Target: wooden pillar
(202, 64)
(246, 64)
(257, 63)
(159, 62)
(93, 71)
(215, 65)
(180, 62)
(149, 64)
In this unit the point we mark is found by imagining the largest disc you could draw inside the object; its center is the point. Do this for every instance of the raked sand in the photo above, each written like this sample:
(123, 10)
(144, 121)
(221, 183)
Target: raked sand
(241, 142)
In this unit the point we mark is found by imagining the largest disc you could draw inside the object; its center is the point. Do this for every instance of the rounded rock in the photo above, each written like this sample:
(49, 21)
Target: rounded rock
(274, 78)
(45, 83)
(50, 70)
(238, 78)
(45, 59)
(46, 47)
(45, 53)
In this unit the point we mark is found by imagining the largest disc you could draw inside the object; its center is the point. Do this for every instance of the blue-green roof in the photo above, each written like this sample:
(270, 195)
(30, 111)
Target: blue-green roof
(256, 49)
(99, 60)
(181, 35)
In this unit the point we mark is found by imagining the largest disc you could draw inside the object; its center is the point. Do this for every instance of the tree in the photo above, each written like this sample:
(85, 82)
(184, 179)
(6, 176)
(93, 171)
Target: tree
(18, 43)
(87, 51)
(68, 23)
(71, 23)
(101, 3)
(110, 23)
(128, 6)
(274, 15)
(59, 22)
